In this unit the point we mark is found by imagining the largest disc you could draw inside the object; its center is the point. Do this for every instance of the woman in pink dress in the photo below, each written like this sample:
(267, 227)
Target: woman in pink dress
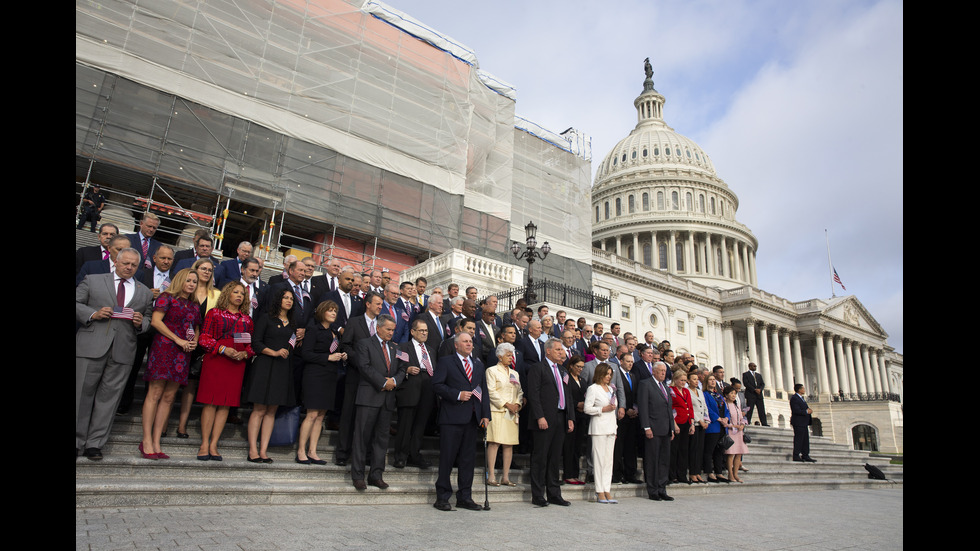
(736, 428)
(227, 337)
(177, 319)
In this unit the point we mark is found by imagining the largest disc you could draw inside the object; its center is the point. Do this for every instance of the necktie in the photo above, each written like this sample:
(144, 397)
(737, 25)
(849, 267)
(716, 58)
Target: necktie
(468, 368)
(372, 328)
(299, 296)
(442, 335)
(121, 293)
(346, 298)
(146, 252)
(662, 389)
(255, 296)
(425, 360)
(561, 388)
(628, 380)
(105, 254)
(333, 284)
(384, 350)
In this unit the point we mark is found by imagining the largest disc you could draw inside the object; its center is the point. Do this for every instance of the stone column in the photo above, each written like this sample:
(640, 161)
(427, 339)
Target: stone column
(884, 372)
(846, 383)
(728, 338)
(827, 378)
(777, 361)
(619, 245)
(750, 336)
(746, 277)
(764, 355)
(736, 268)
(881, 383)
(788, 358)
(603, 245)
(711, 256)
(725, 272)
(672, 252)
(637, 254)
(854, 374)
(868, 372)
(755, 278)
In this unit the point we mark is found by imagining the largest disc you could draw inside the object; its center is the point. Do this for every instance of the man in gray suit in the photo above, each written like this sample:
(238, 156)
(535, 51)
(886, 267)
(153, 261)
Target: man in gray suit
(111, 309)
(656, 420)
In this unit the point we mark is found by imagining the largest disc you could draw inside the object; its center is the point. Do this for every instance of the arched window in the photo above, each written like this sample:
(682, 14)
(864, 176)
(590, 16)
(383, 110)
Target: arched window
(689, 200)
(646, 201)
(719, 265)
(701, 202)
(632, 204)
(647, 253)
(663, 255)
(674, 201)
(629, 252)
(619, 206)
(607, 210)
(597, 213)
(712, 202)
(680, 256)
(865, 438)
(660, 200)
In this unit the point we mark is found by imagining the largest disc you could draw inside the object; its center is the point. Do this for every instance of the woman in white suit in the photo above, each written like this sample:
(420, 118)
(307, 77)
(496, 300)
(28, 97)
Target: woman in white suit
(600, 403)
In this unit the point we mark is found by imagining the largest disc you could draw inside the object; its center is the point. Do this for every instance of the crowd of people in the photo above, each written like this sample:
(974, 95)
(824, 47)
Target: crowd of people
(364, 351)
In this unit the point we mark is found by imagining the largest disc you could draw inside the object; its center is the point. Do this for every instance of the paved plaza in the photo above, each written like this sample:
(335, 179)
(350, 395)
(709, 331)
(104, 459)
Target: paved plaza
(808, 520)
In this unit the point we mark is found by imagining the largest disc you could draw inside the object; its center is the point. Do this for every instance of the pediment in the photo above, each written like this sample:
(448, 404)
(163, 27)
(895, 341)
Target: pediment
(849, 311)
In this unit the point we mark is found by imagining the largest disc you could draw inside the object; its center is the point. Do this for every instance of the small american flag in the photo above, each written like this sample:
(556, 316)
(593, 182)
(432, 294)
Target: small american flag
(402, 355)
(513, 379)
(334, 345)
(122, 313)
(164, 284)
(241, 338)
(837, 279)
(190, 333)
(612, 394)
(405, 316)
(292, 340)
(478, 393)
(564, 378)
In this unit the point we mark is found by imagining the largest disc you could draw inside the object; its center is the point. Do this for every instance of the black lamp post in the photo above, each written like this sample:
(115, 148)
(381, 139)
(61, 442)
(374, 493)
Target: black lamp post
(530, 254)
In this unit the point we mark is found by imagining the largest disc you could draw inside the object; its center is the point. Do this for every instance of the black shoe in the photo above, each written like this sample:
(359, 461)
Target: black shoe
(95, 454)
(559, 501)
(378, 483)
(471, 505)
(809, 459)
(655, 497)
(539, 501)
(182, 435)
(340, 462)
(420, 463)
(359, 485)
(631, 481)
(665, 497)
(798, 459)
(266, 459)
(443, 506)
(317, 461)
(256, 460)
(302, 461)
(617, 480)
(399, 464)
(515, 465)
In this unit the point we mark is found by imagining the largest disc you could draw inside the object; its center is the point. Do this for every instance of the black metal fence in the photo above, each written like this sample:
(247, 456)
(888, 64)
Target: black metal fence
(558, 293)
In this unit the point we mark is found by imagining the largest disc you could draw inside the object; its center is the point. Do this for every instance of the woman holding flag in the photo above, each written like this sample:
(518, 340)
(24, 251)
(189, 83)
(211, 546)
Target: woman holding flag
(323, 357)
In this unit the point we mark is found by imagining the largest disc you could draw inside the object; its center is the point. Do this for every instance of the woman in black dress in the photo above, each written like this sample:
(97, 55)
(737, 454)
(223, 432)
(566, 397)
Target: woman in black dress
(575, 442)
(323, 357)
(270, 382)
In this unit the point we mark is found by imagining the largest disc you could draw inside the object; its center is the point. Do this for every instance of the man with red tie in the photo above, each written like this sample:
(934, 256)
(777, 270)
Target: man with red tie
(551, 417)
(382, 369)
(459, 380)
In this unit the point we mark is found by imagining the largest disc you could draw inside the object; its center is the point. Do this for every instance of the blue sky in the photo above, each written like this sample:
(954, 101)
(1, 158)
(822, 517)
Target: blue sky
(799, 104)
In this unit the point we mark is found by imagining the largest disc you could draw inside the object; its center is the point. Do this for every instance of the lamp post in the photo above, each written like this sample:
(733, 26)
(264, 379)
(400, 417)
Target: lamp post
(530, 254)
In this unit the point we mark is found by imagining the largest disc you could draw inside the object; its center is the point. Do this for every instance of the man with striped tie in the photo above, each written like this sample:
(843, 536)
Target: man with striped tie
(551, 417)
(459, 380)
(415, 398)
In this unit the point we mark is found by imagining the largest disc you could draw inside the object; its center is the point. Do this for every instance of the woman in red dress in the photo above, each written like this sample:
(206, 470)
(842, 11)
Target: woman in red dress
(227, 337)
(177, 319)
(683, 419)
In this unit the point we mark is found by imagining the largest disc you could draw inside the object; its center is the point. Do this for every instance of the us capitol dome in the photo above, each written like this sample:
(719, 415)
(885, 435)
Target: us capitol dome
(657, 200)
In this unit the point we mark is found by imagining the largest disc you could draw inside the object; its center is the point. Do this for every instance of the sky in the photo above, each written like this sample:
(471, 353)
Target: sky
(798, 104)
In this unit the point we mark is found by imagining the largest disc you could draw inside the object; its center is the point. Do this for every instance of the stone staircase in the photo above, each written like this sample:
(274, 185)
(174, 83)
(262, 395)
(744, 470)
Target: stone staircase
(123, 478)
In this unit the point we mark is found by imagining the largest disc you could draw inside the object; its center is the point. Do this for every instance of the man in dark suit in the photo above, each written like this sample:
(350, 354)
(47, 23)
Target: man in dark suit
(551, 417)
(106, 266)
(358, 328)
(329, 281)
(492, 302)
(656, 420)
(96, 252)
(157, 280)
(628, 425)
(801, 418)
(531, 346)
(753, 394)
(559, 327)
(460, 381)
(382, 369)
(350, 305)
(433, 320)
(184, 254)
(143, 240)
(391, 307)
(415, 398)
(252, 281)
(488, 334)
(421, 298)
(455, 314)
(202, 249)
(112, 309)
(313, 286)
(451, 293)
(231, 269)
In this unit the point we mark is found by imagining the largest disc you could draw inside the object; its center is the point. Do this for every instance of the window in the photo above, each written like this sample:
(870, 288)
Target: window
(674, 201)
(644, 152)
(632, 204)
(626, 312)
(680, 326)
(646, 201)
(597, 213)
(619, 206)
(689, 201)
(607, 210)
(700, 331)
(865, 438)
(662, 251)
(721, 267)
(656, 151)
(688, 151)
(660, 200)
(701, 202)
(647, 253)
(712, 202)
(680, 256)
(633, 155)
(653, 320)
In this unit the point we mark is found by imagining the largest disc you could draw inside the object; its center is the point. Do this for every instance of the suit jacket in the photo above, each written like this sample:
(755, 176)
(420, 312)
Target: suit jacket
(542, 397)
(374, 370)
(799, 416)
(410, 390)
(116, 336)
(434, 341)
(356, 307)
(189, 263)
(146, 277)
(228, 270)
(403, 321)
(183, 255)
(748, 381)
(602, 422)
(654, 408)
(357, 330)
(449, 379)
(100, 267)
(136, 243)
(588, 372)
(86, 254)
(305, 314)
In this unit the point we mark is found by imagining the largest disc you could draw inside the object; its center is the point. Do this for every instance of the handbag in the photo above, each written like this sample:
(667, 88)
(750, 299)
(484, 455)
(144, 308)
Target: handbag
(726, 442)
(746, 438)
(285, 429)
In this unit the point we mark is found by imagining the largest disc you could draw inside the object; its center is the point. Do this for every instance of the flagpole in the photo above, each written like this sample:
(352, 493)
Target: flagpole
(830, 265)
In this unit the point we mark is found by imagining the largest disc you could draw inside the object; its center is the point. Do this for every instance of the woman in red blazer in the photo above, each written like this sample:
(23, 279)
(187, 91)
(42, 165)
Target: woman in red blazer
(683, 417)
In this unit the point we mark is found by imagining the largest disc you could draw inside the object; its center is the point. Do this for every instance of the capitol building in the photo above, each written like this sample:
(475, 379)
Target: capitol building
(347, 129)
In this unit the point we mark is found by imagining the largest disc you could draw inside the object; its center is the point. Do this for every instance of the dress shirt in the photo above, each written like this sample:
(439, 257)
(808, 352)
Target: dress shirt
(159, 277)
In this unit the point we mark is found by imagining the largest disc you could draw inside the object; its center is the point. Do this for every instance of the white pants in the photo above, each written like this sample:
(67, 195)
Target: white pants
(602, 460)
